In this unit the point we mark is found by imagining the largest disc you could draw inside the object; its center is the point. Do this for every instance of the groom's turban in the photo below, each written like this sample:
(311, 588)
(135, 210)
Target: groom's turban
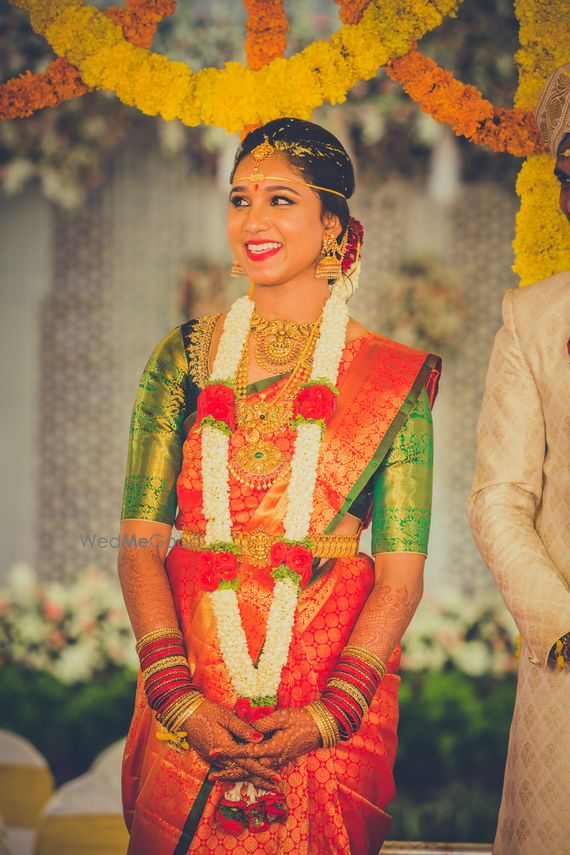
(553, 108)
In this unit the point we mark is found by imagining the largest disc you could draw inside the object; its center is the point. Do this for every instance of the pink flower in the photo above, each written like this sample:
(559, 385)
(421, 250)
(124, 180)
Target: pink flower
(52, 611)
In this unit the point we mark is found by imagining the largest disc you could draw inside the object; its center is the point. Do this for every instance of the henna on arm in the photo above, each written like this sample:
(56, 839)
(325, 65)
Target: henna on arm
(391, 604)
(144, 583)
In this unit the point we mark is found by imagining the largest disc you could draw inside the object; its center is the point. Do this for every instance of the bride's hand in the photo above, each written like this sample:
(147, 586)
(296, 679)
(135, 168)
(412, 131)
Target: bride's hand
(213, 726)
(290, 732)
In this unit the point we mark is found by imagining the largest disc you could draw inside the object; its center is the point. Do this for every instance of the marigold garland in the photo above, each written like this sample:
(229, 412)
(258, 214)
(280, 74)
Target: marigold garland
(266, 29)
(61, 81)
(541, 244)
(463, 107)
(351, 11)
(234, 96)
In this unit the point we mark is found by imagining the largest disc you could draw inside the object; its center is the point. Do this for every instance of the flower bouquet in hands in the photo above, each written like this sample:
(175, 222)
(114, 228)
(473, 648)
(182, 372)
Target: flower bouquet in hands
(243, 805)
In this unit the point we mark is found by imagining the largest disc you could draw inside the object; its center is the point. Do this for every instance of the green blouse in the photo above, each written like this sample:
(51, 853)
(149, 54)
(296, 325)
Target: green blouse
(400, 489)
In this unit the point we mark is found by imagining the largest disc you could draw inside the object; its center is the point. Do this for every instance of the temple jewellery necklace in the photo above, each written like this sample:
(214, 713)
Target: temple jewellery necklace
(278, 344)
(260, 461)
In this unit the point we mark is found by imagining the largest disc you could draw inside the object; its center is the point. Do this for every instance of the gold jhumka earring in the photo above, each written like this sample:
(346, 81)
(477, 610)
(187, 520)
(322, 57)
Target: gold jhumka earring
(330, 265)
(237, 270)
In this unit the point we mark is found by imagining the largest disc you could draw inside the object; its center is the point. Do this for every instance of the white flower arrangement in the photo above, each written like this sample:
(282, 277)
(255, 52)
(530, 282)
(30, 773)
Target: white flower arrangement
(247, 680)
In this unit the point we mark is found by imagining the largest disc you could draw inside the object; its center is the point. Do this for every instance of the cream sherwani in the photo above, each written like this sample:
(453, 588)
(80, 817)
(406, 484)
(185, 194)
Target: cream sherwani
(519, 512)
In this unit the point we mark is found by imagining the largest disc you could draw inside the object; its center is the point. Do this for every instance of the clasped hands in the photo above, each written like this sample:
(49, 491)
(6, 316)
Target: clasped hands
(277, 739)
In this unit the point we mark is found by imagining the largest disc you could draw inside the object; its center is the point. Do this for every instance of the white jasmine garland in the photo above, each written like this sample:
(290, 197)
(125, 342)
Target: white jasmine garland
(236, 328)
(302, 481)
(247, 680)
(216, 499)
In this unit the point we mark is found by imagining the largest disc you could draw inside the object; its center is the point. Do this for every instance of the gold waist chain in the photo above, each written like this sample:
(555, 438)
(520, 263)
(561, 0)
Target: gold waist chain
(256, 545)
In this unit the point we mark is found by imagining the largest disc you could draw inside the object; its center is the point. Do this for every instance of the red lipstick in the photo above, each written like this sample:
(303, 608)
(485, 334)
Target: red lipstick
(260, 256)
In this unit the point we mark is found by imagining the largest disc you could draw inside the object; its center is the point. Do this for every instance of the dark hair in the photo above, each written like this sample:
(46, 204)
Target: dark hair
(321, 159)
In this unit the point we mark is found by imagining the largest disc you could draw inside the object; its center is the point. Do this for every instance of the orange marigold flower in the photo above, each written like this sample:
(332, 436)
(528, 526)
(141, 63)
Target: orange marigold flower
(351, 10)
(266, 29)
(21, 96)
(463, 107)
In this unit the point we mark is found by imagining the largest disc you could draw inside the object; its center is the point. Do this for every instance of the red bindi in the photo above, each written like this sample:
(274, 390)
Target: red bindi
(255, 187)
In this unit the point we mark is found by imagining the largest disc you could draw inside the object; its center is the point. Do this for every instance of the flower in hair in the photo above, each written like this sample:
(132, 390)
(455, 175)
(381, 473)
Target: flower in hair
(355, 239)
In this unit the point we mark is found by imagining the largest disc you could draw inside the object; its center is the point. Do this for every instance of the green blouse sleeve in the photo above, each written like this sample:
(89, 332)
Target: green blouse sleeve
(156, 434)
(401, 505)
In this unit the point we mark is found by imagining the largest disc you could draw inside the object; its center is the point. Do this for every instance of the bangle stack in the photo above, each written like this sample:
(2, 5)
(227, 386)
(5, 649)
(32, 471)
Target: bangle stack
(166, 677)
(325, 722)
(351, 687)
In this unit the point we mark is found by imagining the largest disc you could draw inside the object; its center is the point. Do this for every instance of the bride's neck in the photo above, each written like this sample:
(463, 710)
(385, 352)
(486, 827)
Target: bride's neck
(303, 305)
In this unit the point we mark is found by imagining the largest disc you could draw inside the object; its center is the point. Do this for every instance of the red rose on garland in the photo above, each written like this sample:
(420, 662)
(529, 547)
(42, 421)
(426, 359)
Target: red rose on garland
(226, 565)
(218, 402)
(209, 574)
(315, 402)
(278, 553)
(296, 557)
(300, 559)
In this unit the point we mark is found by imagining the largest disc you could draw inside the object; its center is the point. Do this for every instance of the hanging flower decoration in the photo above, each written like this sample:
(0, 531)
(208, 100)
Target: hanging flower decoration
(541, 244)
(266, 29)
(351, 11)
(234, 96)
(61, 81)
(463, 107)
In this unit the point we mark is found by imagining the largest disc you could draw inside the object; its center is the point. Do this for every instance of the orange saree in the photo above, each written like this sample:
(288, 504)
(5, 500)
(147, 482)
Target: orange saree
(336, 797)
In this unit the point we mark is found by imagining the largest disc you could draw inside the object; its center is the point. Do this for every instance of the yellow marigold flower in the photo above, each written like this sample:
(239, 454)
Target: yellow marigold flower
(234, 96)
(541, 242)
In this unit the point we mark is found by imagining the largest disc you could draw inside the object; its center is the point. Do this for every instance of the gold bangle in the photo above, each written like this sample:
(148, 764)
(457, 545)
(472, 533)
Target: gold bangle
(162, 632)
(351, 690)
(187, 712)
(162, 664)
(368, 657)
(326, 723)
(176, 705)
(179, 708)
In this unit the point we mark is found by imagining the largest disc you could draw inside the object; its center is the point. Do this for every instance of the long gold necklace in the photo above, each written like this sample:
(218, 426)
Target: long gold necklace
(260, 462)
(278, 343)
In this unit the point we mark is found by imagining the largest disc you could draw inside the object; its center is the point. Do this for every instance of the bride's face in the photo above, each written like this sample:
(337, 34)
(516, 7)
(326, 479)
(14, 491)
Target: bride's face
(274, 227)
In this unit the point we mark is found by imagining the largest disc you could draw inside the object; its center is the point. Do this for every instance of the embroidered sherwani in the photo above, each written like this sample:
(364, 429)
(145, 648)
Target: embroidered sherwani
(375, 463)
(519, 512)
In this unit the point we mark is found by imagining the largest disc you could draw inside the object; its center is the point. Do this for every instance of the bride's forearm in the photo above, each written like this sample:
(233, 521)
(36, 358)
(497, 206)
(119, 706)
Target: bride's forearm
(391, 603)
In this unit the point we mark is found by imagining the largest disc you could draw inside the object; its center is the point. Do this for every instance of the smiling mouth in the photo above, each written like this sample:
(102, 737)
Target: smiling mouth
(261, 251)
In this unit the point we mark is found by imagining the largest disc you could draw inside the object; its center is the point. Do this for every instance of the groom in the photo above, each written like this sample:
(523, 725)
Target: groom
(519, 512)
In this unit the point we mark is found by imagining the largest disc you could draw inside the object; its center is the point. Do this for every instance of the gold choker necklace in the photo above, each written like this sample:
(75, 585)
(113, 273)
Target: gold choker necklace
(278, 344)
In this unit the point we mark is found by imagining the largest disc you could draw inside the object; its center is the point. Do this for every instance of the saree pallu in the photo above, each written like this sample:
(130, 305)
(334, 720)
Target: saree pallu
(335, 797)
